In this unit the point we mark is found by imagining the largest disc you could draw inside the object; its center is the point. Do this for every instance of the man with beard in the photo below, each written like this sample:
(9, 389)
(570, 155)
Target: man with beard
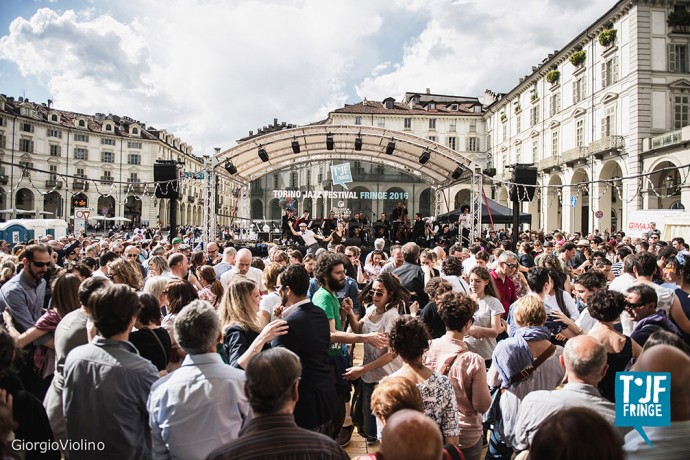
(330, 272)
(23, 297)
(308, 336)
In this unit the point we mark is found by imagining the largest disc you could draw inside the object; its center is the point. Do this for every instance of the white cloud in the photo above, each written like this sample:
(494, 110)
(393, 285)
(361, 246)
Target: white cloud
(210, 71)
(467, 47)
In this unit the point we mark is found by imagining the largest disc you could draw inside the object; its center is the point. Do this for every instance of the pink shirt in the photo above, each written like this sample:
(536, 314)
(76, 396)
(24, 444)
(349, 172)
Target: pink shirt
(468, 377)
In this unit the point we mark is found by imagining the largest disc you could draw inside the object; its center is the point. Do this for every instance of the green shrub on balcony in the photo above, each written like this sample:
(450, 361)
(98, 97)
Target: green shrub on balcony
(679, 17)
(578, 58)
(504, 117)
(491, 172)
(607, 37)
(552, 76)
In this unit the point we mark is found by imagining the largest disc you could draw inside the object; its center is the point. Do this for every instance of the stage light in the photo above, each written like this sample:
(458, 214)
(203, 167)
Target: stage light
(295, 146)
(457, 173)
(230, 168)
(358, 143)
(329, 141)
(262, 154)
(425, 156)
(390, 148)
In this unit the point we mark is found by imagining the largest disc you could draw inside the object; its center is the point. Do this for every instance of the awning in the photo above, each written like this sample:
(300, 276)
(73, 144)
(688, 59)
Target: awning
(499, 213)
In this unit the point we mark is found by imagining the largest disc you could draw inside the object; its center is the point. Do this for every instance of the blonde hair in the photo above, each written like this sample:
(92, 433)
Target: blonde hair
(236, 306)
(155, 286)
(529, 311)
(128, 273)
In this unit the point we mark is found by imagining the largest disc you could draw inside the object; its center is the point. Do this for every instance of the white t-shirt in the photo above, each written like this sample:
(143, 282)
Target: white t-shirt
(489, 307)
(551, 304)
(253, 274)
(371, 353)
(268, 302)
(309, 237)
(459, 285)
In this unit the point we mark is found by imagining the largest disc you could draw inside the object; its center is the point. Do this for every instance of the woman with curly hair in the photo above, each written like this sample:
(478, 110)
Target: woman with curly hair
(409, 339)
(452, 272)
(211, 289)
(384, 295)
(466, 370)
(122, 272)
(435, 288)
(243, 336)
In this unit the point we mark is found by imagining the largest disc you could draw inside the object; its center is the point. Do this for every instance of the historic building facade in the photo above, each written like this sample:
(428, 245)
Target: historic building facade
(54, 160)
(611, 104)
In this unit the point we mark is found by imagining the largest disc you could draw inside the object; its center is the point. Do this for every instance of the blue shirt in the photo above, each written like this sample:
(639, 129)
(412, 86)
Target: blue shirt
(104, 399)
(197, 408)
(24, 298)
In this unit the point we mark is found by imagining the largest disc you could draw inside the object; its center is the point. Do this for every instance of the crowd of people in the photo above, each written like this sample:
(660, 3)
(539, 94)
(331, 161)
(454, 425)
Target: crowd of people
(126, 347)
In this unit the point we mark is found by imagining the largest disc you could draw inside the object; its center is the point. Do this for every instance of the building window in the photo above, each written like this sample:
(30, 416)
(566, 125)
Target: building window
(293, 179)
(3, 141)
(358, 120)
(518, 154)
(134, 145)
(554, 143)
(505, 131)
(107, 177)
(54, 118)
(81, 153)
(680, 111)
(518, 122)
(579, 89)
(80, 173)
(275, 181)
(454, 107)
(432, 123)
(555, 104)
(53, 173)
(381, 122)
(534, 115)
(678, 58)
(26, 127)
(472, 144)
(55, 150)
(107, 141)
(580, 132)
(431, 106)
(26, 145)
(54, 133)
(451, 141)
(432, 138)
(108, 127)
(408, 123)
(134, 159)
(609, 72)
(107, 157)
(81, 137)
(135, 131)
(608, 123)
(452, 125)
(133, 178)
(535, 150)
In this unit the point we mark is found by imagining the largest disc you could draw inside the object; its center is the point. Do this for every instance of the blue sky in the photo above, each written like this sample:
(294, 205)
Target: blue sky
(209, 71)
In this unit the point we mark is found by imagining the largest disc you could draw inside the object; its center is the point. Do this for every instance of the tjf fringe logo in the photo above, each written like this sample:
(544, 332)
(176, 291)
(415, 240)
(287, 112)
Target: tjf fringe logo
(643, 399)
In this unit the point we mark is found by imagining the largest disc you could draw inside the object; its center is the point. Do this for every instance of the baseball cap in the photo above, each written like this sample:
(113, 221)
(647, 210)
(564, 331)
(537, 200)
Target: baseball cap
(302, 224)
(177, 240)
(583, 242)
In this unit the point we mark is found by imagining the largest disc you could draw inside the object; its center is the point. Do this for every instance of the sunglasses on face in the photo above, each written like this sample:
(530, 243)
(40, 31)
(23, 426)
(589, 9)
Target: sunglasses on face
(376, 293)
(634, 305)
(129, 256)
(39, 264)
(511, 265)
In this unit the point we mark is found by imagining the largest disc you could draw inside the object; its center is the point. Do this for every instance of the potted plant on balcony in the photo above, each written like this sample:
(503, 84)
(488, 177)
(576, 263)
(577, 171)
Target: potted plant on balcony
(552, 76)
(607, 37)
(534, 95)
(679, 20)
(518, 109)
(504, 117)
(578, 58)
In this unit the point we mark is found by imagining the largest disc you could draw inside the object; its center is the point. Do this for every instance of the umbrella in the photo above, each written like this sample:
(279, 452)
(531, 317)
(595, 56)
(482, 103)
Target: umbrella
(119, 219)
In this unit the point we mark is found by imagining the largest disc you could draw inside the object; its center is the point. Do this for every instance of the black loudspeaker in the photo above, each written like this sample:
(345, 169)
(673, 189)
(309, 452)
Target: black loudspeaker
(166, 172)
(526, 178)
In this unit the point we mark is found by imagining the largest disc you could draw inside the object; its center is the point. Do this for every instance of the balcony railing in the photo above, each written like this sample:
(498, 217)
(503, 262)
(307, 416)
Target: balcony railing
(574, 155)
(550, 162)
(606, 144)
(106, 180)
(671, 138)
(79, 185)
(54, 183)
(135, 187)
(680, 29)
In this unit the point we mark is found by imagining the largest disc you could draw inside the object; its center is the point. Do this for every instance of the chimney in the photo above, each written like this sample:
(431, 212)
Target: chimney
(50, 103)
(251, 133)
(428, 90)
(275, 122)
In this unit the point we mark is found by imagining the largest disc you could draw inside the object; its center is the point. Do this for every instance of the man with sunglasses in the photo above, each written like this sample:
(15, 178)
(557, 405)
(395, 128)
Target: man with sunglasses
(641, 305)
(507, 266)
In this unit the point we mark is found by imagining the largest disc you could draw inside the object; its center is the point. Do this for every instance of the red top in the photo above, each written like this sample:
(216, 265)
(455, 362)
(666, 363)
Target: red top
(507, 293)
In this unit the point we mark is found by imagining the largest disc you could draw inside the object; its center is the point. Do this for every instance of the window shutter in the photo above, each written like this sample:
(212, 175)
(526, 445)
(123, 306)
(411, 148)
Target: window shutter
(671, 57)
